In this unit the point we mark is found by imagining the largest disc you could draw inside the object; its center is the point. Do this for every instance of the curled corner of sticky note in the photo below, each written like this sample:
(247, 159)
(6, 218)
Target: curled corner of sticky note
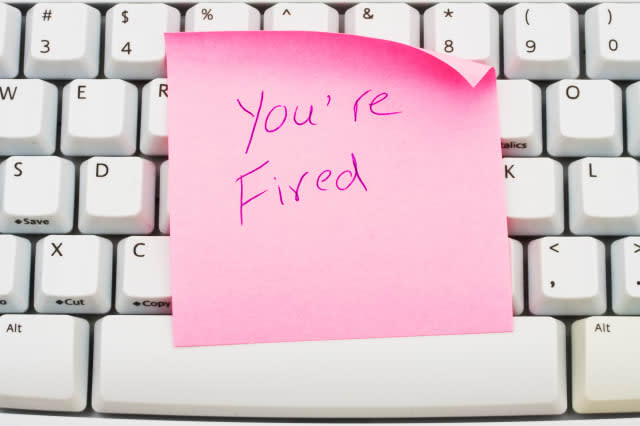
(471, 71)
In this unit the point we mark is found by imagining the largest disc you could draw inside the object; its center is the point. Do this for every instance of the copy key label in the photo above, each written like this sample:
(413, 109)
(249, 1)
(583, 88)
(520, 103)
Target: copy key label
(325, 186)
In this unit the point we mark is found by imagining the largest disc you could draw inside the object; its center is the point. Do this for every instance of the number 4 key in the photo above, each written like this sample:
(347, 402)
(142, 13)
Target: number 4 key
(134, 40)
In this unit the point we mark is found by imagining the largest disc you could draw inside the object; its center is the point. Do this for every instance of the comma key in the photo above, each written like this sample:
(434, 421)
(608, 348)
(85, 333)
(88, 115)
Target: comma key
(37, 195)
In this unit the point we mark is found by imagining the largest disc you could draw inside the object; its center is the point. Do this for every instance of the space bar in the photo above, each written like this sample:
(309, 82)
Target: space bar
(137, 370)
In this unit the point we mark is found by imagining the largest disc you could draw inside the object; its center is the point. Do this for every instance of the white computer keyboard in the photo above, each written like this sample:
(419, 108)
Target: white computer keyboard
(85, 335)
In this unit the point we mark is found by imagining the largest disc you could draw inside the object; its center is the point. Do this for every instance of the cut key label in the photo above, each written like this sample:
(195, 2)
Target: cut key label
(326, 186)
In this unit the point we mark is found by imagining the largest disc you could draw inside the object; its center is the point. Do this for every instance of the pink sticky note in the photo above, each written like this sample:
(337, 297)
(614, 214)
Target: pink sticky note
(326, 186)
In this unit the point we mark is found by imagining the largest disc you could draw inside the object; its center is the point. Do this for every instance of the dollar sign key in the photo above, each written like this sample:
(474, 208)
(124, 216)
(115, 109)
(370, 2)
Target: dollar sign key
(125, 19)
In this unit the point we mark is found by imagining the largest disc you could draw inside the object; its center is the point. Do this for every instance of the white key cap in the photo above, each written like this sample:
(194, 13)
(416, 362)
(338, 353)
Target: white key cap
(606, 377)
(163, 205)
(611, 41)
(73, 274)
(143, 285)
(517, 276)
(15, 271)
(541, 41)
(10, 26)
(301, 17)
(62, 40)
(625, 276)
(37, 195)
(134, 40)
(584, 117)
(535, 201)
(117, 196)
(567, 276)
(520, 107)
(99, 117)
(468, 31)
(28, 117)
(604, 196)
(633, 119)
(44, 362)
(390, 21)
(222, 17)
(153, 120)
(138, 370)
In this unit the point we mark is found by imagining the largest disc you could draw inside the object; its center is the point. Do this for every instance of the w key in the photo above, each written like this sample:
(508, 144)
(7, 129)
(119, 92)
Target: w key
(28, 117)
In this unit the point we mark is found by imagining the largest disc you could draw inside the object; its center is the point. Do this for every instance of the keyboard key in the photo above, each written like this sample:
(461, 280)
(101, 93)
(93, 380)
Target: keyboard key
(44, 362)
(567, 276)
(62, 41)
(468, 31)
(541, 41)
(535, 201)
(37, 195)
(520, 106)
(625, 276)
(584, 117)
(163, 205)
(117, 196)
(15, 271)
(134, 40)
(633, 121)
(99, 117)
(138, 370)
(73, 274)
(222, 17)
(517, 276)
(153, 121)
(28, 117)
(604, 196)
(10, 27)
(611, 41)
(143, 285)
(390, 21)
(301, 17)
(605, 373)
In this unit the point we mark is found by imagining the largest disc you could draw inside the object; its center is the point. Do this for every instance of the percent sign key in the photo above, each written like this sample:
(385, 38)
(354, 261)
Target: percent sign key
(207, 15)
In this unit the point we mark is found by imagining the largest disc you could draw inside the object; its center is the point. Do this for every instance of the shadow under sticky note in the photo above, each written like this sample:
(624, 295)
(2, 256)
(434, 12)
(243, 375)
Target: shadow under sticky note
(327, 186)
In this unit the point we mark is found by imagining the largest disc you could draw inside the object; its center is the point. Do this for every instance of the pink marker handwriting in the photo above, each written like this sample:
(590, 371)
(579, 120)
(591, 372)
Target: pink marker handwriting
(324, 180)
(269, 117)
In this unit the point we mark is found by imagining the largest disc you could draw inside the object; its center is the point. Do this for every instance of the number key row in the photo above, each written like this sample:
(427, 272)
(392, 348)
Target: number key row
(541, 41)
